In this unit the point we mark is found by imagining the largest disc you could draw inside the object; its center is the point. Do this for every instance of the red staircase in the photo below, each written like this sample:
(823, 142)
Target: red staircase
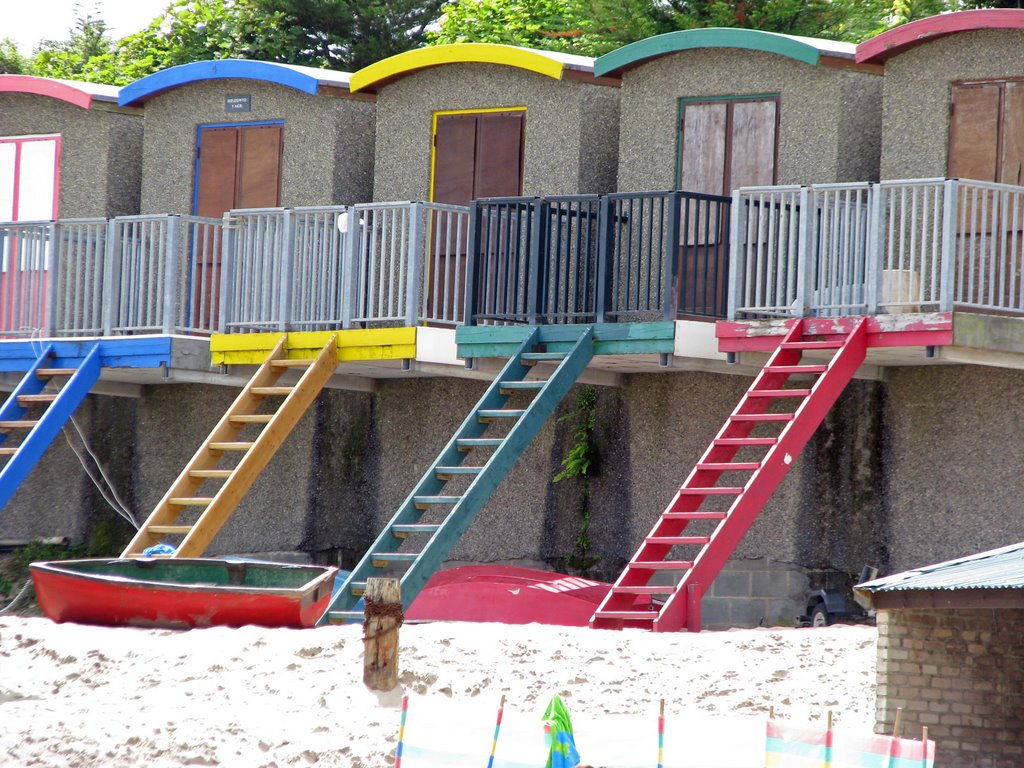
(760, 440)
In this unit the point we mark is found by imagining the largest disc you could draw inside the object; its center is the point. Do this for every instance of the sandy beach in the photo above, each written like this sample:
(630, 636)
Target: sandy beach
(88, 696)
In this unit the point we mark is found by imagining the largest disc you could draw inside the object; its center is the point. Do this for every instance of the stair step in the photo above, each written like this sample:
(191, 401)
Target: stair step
(811, 344)
(36, 399)
(745, 441)
(8, 451)
(762, 417)
(661, 565)
(627, 615)
(696, 515)
(284, 363)
(252, 418)
(426, 502)
(508, 387)
(778, 393)
(340, 617)
(403, 530)
(18, 424)
(791, 369)
(663, 589)
(271, 390)
(169, 529)
(190, 501)
(729, 466)
(211, 474)
(493, 414)
(469, 443)
(241, 446)
(357, 588)
(677, 540)
(49, 373)
(381, 559)
(539, 357)
(446, 473)
(724, 490)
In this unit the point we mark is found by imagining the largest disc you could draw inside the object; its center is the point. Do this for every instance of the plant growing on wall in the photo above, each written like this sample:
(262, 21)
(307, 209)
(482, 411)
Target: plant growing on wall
(581, 462)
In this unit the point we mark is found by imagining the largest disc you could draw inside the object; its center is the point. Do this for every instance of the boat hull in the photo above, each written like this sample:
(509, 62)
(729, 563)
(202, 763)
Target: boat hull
(182, 593)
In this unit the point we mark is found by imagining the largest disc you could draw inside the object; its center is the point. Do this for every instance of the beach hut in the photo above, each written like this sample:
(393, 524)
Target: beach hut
(954, 96)
(710, 110)
(464, 121)
(251, 134)
(66, 149)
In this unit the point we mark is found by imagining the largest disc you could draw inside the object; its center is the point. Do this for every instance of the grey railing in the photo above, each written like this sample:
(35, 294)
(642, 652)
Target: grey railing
(892, 247)
(131, 274)
(344, 266)
(587, 258)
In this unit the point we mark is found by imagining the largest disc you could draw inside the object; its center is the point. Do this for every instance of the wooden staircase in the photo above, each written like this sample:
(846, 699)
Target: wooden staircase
(703, 524)
(37, 411)
(229, 461)
(414, 543)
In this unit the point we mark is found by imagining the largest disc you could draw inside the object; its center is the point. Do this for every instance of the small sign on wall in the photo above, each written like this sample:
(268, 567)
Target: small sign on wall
(238, 102)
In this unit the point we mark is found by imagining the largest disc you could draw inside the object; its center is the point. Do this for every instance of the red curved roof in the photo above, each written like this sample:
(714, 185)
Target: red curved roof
(902, 38)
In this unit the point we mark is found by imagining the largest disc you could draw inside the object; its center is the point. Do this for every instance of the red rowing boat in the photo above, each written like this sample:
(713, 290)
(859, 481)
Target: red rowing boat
(183, 592)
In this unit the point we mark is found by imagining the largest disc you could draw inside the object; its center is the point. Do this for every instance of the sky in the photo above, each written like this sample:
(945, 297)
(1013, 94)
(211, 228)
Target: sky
(29, 21)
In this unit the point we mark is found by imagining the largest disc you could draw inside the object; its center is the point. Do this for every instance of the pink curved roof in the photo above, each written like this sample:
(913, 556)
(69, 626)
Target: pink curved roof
(902, 38)
(79, 94)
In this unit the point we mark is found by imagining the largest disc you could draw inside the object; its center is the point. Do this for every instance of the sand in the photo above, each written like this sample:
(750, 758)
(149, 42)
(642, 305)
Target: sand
(75, 695)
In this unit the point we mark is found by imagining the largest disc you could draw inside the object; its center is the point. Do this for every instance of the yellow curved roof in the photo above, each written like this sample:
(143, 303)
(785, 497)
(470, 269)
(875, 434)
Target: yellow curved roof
(402, 64)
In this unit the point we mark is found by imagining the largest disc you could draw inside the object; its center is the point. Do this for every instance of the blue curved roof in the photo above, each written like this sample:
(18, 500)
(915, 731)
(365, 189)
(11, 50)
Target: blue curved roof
(305, 79)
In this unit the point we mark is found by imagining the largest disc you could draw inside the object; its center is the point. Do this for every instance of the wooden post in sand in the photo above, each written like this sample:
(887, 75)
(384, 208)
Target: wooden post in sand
(383, 612)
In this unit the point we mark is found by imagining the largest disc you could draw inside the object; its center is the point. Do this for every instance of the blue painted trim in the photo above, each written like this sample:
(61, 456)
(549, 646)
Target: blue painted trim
(50, 424)
(222, 69)
(29, 385)
(126, 352)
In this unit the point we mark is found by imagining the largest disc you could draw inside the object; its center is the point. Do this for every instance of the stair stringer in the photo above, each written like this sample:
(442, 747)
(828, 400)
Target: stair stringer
(249, 467)
(682, 608)
(56, 415)
(483, 486)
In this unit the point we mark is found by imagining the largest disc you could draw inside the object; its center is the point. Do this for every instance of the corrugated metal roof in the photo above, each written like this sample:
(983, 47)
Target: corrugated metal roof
(996, 569)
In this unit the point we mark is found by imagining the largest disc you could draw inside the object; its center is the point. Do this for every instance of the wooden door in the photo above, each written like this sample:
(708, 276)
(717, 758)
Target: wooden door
(974, 132)
(723, 144)
(475, 155)
(239, 166)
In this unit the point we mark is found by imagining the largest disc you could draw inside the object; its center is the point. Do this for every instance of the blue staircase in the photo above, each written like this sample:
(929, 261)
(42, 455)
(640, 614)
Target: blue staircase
(414, 543)
(38, 409)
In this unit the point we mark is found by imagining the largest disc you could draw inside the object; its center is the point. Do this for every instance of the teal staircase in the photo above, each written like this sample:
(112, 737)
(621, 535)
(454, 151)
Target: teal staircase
(38, 409)
(451, 493)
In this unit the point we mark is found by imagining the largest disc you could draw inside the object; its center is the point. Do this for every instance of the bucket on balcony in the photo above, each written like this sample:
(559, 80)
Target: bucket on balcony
(900, 287)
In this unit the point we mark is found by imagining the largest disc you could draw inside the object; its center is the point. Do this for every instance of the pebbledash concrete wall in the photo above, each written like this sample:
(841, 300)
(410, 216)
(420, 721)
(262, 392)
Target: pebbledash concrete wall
(100, 153)
(571, 129)
(915, 133)
(328, 142)
(961, 674)
(829, 118)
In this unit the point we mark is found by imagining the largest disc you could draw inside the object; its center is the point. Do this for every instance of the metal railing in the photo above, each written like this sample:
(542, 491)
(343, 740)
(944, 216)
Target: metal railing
(598, 258)
(896, 246)
(25, 256)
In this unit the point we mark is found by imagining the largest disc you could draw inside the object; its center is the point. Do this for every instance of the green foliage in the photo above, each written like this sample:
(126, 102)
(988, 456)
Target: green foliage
(85, 55)
(12, 62)
(581, 462)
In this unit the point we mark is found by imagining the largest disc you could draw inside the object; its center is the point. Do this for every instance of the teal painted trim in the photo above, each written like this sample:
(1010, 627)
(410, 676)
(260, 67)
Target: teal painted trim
(609, 338)
(126, 352)
(50, 424)
(693, 39)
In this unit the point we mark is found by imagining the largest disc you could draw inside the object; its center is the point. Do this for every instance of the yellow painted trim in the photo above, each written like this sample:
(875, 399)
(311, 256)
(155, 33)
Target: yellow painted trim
(433, 132)
(352, 345)
(406, 63)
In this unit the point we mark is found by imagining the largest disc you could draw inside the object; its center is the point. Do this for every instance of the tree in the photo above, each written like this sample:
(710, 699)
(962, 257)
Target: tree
(82, 56)
(12, 62)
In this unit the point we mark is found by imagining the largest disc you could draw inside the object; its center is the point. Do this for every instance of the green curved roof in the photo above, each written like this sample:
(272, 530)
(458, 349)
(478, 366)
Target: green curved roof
(805, 49)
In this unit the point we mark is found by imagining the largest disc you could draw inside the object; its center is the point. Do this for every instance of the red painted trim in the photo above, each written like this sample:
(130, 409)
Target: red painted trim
(902, 38)
(41, 86)
(931, 330)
